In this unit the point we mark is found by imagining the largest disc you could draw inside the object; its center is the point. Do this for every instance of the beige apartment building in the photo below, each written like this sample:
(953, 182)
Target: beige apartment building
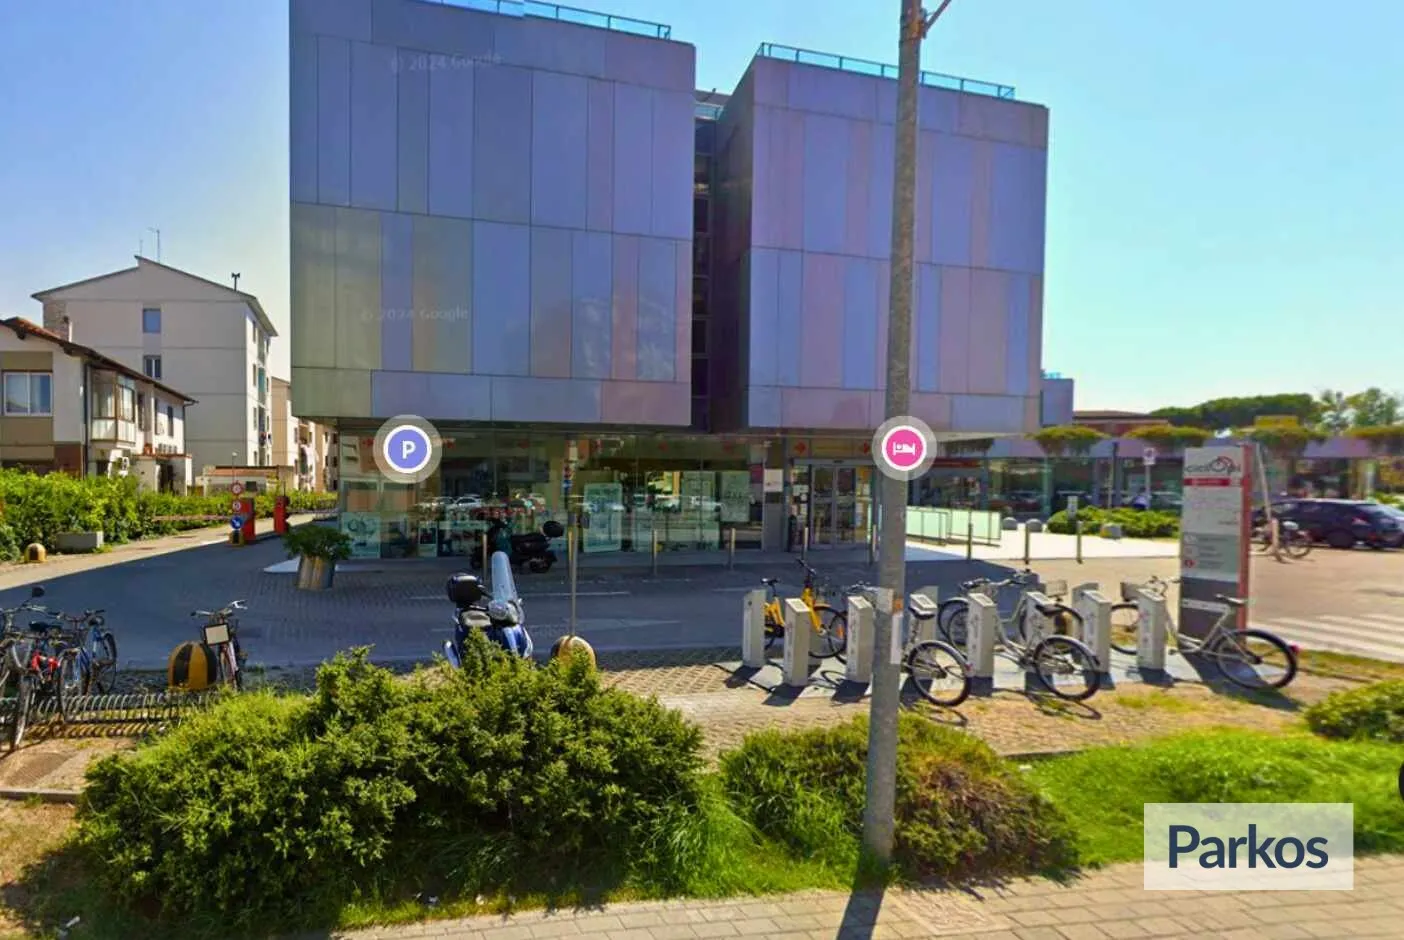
(303, 446)
(67, 407)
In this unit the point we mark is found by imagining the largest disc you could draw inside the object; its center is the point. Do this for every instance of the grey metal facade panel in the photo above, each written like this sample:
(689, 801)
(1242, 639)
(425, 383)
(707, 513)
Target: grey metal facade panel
(504, 173)
(815, 200)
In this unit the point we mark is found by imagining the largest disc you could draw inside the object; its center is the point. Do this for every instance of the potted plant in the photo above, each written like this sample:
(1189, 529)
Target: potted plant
(318, 548)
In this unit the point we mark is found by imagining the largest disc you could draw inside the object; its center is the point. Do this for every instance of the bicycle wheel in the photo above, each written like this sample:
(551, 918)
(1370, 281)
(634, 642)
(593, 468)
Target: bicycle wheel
(939, 672)
(69, 683)
(951, 620)
(102, 665)
(833, 632)
(1254, 659)
(1125, 625)
(24, 700)
(1298, 545)
(1066, 668)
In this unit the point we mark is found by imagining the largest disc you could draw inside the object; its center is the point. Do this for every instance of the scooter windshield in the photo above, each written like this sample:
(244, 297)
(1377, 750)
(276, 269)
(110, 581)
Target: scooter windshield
(503, 587)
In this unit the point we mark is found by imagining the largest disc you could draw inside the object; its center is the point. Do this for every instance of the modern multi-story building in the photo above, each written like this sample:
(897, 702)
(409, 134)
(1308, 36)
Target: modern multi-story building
(203, 337)
(523, 224)
(69, 408)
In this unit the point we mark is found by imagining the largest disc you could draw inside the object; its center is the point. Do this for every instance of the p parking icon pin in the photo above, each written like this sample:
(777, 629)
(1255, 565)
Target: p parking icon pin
(408, 449)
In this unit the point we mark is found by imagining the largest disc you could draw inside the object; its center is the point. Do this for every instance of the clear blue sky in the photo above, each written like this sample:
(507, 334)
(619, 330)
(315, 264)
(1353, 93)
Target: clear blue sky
(1226, 191)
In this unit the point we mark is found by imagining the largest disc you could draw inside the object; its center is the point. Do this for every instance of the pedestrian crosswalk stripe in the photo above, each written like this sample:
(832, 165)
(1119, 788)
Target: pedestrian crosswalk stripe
(1379, 627)
(1365, 631)
(1387, 618)
(1328, 636)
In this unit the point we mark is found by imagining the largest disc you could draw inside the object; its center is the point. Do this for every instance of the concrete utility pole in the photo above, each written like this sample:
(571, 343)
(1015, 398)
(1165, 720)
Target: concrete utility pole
(878, 821)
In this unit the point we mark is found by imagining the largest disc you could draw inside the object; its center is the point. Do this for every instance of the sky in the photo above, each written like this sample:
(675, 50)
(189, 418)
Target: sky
(1225, 193)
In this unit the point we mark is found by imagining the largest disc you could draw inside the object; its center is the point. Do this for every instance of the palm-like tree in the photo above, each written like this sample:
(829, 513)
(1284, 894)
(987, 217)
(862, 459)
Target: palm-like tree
(1333, 408)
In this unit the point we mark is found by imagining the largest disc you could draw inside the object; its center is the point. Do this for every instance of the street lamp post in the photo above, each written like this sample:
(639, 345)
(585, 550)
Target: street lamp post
(878, 822)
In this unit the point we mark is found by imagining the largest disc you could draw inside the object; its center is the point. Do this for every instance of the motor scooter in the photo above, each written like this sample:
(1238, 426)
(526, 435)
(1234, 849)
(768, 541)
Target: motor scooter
(529, 549)
(501, 618)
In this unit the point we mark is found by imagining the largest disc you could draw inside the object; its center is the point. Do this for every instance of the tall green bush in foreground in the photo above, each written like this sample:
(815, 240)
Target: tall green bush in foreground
(270, 811)
(1369, 712)
(962, 812)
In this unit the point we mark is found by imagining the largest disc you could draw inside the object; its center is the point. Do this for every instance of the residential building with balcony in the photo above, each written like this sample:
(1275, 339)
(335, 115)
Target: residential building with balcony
(522, 223)
(67, 407)
(189, 332)
(299, 445)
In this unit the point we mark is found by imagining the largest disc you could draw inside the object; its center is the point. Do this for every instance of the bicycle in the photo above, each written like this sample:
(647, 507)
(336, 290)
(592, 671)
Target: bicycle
(1294, 542)
(827, 621)
(221, 634)
(1053, 658)
(1225, 644)
(39, 669)
(951, 615)
(943, 661)
(96, 651)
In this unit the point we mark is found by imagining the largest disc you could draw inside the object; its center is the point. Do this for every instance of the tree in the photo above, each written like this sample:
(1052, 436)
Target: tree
(1221, 413)
(1373, 408)
(1333, 411)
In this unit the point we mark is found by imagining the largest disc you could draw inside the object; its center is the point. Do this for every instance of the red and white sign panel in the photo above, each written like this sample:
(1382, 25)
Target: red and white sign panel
(1214, 532)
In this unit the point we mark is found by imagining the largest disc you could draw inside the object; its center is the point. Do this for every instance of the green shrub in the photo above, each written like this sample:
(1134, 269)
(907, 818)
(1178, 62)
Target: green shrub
(961, 810)
(1169, 436)
(38, 508)
(1373, 711)
(1067, 439)
(276, 811)
(1135, 523)
(318, 541)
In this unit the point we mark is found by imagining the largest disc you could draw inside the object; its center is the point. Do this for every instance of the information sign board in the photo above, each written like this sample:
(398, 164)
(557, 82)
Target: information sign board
(1214, 532)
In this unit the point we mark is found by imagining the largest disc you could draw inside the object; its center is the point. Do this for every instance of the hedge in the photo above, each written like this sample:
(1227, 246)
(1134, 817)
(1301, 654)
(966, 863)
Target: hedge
(1366, 712)
(270, 812)
(1135, 524)
(36, 508)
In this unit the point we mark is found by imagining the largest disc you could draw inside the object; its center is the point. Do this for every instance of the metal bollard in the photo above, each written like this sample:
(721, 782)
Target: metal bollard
(1028, 542)
(872, 544)
(1152, 614)
(859, 667)
(970, 536)
(487, 552)
(1095, 609)
(731, 549)
(804, 543)
(753, 630)
(982, 627)
(1079, 541)
(653, 545)
(799, 642)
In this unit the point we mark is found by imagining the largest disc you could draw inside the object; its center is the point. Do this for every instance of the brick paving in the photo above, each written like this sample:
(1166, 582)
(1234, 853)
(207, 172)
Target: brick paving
(1106, 903)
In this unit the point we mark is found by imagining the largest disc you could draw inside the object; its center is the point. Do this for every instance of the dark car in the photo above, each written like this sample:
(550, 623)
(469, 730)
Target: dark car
(1341, 523)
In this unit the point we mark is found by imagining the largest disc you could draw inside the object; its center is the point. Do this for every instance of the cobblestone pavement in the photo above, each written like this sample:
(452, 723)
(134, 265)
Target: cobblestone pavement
(1103, 904)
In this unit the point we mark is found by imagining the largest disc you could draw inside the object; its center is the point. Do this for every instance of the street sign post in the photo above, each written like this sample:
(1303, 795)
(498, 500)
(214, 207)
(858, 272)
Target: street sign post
(236, 523)
(236, 488)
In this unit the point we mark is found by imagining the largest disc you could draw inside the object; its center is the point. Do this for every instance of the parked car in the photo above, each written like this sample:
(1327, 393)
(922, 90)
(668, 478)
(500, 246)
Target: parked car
(1341, 523)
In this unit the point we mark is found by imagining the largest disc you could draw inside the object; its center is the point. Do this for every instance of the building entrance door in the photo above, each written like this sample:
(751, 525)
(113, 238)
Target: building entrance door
(838, 501)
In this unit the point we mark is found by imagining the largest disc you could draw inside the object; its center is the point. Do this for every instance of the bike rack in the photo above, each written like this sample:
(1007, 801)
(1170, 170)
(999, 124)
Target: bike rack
(1095, 609)
(982, 627)
(1035, 624)
(927, 601)
(799, 642)
(1153, 615)
(117, 709)
(753, 630)
(859, 665)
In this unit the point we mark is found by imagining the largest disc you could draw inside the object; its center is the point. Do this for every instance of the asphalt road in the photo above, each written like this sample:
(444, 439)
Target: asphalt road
(1352, 601)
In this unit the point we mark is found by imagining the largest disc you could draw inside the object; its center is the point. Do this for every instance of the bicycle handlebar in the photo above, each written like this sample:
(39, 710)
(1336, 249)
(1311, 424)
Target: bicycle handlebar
(223, 612)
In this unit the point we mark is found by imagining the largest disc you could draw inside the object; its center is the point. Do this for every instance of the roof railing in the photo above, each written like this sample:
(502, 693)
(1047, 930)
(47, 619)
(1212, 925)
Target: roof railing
(565, 14)
(828, 60)
(707, 111)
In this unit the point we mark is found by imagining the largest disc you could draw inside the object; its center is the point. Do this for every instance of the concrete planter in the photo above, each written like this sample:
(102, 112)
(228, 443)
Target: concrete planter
(76, 542)
(315, 574)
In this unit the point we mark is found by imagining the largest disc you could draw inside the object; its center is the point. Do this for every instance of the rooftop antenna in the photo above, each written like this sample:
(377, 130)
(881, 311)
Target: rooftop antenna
(158, 241)
(235, 276)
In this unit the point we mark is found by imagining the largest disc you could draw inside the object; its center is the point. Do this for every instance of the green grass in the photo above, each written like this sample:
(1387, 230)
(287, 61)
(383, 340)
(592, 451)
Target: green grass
(1103, 789)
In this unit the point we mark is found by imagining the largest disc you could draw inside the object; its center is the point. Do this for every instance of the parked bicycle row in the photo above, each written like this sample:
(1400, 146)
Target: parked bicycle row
(64, 659)
(1041, 633)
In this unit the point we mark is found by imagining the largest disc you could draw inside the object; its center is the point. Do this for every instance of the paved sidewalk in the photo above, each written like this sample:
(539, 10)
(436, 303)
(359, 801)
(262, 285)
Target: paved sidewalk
(1105, 903)
(57, 566)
